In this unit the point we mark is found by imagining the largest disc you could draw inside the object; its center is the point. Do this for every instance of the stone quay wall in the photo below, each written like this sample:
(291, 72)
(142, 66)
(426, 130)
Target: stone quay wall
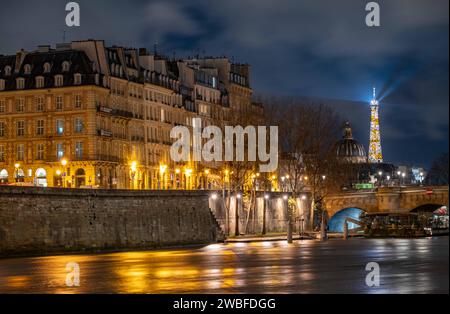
(53, 220)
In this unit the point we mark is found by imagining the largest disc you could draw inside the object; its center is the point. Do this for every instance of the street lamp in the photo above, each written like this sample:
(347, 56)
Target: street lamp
(16, 171)
(162, 170)
(266, 197)
(133, 168)
(380, 175)
(403, 177)
(207, 178)
(63, 164)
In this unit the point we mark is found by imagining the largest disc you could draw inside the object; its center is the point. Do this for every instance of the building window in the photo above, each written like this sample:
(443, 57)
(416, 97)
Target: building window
(59, 102)
(77, 79)
(7, 70)
(47, 67)
(2, 153)
(39, 103)
(2, 128)
(59, 150)
(79, 150)
(78, 125)
(39, 82)
(2, 105)
(40, 127)
(65, 66)
(59, 127)
(20, 152)
(40, 151)
(21, 128)
(78, 101)
(58, 80)
(20, 83)
(2, 84)
(20, 105)
(27, 68)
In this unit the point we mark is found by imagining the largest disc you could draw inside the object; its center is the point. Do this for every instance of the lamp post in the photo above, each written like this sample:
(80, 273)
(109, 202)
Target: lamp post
(207, 179)
(162, 170)
(177, 178)
(63, 164)
(16, 171)
(380, 176)
(266, 197)
(289, 217)
(236, 214)
(388, 178)
(403, 178)
(133, 169)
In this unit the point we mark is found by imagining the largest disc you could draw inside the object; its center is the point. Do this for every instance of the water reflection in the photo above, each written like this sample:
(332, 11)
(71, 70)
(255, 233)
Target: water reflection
(407, 265)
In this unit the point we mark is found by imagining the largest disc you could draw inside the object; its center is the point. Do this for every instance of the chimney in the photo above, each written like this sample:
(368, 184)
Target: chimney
(43, 48)
(20, 56)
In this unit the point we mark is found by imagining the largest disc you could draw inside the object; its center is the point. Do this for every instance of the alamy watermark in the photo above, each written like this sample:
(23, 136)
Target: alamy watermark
(373, 277)
(219, 147)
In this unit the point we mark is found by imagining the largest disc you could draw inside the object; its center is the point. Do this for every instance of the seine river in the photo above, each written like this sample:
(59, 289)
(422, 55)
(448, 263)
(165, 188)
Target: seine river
(309, 266)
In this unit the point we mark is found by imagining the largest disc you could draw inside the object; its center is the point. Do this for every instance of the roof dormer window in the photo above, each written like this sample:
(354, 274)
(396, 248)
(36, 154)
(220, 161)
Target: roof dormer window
(27, 69)
(39, 82)
(58, 80)
(65, 66)
(77, 78)
(47, 67)
(20, 83)
(7, 70)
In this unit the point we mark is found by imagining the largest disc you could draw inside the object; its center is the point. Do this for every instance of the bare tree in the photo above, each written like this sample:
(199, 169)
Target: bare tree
(307, 137)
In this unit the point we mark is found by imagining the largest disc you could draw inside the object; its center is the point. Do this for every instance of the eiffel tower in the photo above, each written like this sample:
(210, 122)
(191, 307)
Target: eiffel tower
(375, 154)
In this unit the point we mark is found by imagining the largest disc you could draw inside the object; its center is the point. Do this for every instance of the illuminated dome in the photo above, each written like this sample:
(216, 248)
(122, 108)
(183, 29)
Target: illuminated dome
(350, 150)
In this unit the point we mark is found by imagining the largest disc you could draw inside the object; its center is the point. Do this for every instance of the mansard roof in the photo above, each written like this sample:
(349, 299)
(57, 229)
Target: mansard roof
(78, 63)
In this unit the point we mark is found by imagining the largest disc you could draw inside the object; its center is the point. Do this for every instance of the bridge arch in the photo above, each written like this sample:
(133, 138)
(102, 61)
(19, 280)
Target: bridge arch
(336, 222)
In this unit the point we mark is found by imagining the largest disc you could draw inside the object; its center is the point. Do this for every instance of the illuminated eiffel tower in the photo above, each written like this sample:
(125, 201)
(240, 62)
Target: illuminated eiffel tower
(375, 154)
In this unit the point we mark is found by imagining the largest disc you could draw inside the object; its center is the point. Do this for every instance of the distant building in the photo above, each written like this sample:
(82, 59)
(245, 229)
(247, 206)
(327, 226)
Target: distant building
(349, 149)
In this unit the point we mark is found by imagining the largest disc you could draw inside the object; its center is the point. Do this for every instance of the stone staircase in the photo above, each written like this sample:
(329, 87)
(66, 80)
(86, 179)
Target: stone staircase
(219, 233)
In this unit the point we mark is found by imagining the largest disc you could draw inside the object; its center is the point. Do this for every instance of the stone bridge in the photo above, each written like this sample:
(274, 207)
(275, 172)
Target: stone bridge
(388, 199)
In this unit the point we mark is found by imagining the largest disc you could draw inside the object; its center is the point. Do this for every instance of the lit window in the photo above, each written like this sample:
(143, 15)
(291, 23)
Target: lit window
(2, 105)
(59, 126)
(2, 84)
(59, 150)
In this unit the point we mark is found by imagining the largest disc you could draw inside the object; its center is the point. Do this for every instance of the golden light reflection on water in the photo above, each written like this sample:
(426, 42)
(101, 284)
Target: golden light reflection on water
(239, 267)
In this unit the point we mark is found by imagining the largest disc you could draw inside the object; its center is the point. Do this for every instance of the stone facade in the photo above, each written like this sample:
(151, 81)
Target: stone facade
(36, 220)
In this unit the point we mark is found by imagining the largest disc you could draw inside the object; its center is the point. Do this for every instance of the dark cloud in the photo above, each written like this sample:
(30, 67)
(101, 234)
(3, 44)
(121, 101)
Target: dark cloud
(310, 48)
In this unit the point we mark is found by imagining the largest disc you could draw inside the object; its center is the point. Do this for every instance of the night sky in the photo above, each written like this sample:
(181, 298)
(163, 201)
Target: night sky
(317, 49)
